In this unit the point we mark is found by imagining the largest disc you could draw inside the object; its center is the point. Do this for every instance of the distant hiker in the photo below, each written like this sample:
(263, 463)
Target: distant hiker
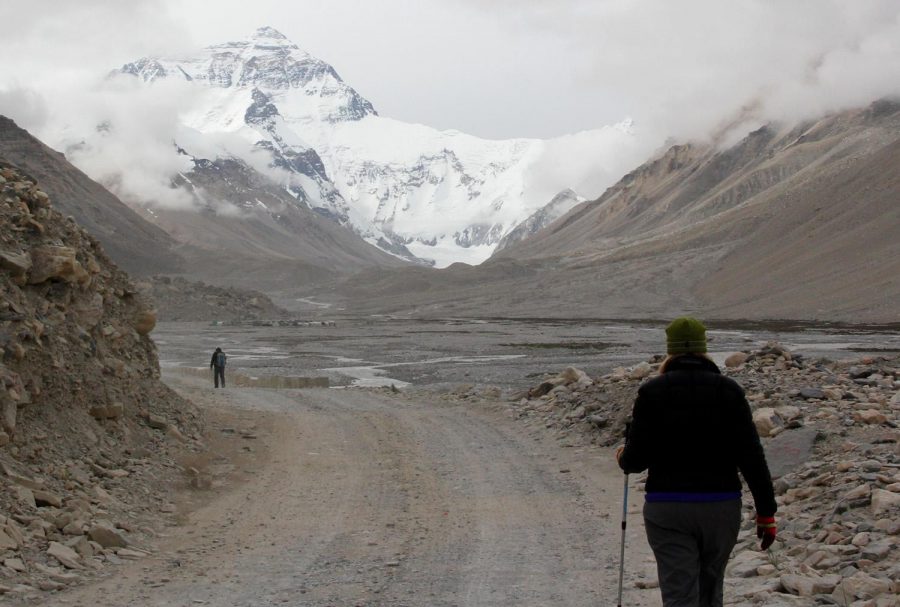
(217, 364)
(692, 428)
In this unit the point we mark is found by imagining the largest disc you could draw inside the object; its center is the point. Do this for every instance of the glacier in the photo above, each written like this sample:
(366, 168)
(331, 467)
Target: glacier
(431, 195)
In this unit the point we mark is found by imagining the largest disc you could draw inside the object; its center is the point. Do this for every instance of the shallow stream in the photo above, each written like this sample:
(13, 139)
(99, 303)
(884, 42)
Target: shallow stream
(508, 353)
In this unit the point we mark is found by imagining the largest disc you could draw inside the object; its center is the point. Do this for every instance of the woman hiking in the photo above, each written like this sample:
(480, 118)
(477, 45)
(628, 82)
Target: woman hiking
(692, 429)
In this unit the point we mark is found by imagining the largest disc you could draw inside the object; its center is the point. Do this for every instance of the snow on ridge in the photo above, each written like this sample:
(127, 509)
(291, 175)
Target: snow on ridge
(444, 195)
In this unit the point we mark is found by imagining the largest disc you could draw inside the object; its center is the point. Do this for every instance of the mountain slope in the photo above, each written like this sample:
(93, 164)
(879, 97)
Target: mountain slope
(248, 231)
(795, 221)
(561, 204)
(133, 243)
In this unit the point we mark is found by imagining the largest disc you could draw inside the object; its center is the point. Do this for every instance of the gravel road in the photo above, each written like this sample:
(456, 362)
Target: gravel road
(356, 497)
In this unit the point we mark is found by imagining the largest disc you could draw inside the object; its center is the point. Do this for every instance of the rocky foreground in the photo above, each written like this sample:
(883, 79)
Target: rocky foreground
(831, 435)
(89, 433)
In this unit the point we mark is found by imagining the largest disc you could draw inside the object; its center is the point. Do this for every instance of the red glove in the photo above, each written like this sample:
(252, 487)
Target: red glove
(766, 530)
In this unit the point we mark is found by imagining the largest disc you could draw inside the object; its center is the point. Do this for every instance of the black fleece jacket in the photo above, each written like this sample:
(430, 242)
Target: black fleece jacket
(693, 429)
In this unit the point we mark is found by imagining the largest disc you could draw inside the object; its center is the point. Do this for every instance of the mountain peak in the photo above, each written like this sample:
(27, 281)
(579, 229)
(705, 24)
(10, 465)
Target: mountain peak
(269, 33)
(268, 61)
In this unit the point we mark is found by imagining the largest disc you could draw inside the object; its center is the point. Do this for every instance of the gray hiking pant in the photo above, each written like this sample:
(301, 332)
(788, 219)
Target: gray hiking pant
(219, 373)
(692, 542)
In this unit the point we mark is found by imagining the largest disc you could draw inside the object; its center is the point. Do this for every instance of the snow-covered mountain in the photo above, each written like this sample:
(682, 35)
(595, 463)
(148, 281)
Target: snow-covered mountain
(441, 196)
(561, 204)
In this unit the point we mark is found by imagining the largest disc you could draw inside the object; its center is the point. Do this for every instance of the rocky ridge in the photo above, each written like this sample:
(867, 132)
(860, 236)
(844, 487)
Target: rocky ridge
(180, 299)
(831, 435)
(89, 433)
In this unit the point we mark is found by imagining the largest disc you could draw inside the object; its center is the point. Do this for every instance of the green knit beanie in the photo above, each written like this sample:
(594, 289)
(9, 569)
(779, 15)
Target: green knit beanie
(685, 335)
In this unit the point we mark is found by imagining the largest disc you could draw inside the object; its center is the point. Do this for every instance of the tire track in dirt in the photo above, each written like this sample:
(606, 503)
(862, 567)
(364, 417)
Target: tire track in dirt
(364, 499)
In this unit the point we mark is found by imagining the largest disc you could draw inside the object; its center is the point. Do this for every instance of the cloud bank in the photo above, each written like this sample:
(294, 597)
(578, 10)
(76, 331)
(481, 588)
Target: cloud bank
(685, 69)
(682, 70)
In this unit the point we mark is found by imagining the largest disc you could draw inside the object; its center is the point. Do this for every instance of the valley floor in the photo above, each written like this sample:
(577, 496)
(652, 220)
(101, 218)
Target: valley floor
(358, 497)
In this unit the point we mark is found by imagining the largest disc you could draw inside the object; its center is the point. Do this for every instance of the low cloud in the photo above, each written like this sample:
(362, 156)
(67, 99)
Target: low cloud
(686, 69)
(124, 136)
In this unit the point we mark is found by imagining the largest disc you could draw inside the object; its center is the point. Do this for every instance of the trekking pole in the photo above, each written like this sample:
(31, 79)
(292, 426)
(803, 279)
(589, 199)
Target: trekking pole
(622, 550)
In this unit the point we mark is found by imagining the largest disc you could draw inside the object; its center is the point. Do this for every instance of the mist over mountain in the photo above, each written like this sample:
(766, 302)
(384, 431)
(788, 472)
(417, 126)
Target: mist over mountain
(134, 243)
(795, 221)
(410, 190)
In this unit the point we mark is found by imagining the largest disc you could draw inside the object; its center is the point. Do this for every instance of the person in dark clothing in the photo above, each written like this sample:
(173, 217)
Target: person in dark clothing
(692, 429)
(217, 364)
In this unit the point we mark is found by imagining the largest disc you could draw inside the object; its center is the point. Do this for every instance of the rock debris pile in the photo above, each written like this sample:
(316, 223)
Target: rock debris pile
(831, 435)
(179, 299)
(89, 432)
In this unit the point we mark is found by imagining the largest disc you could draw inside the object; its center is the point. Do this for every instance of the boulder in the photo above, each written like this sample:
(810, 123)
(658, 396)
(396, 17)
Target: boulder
(25, 496)
(8, 411)
(812, 393)
(107, 537)
(66, 556)
(805, 585)
(736, 360)
(640, 371)
(572, 375)
(877, 551)
(869, 416)
(44, 499)
(860, 586)
(113, 410)
(56, 263)
(766, 420)
(883, 501)
(6, 542)
(156, 422)
(88, 311)
(144, 321)
(16, 264)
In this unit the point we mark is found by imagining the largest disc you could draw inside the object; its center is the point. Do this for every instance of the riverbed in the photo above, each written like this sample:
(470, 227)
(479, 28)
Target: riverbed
(508, 353)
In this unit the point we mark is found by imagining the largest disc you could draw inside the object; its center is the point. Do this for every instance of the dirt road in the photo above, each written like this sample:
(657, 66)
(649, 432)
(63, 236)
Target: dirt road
(355, 497)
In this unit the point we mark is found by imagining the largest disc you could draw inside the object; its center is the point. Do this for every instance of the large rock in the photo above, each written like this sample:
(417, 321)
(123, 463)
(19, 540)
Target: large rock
(766, 420)
(736, 360)
(869, 416)
(45, 498)
(107, 537)
(88, 311)
(145, 321)
(113, 410)
(65, 555)
(572, 375)
(789, 449)
(8, 411)
(805, 585)
(640, 371)
(6, 542)
(883, 501)
(16, 264)
(57, 263)
(860, 586)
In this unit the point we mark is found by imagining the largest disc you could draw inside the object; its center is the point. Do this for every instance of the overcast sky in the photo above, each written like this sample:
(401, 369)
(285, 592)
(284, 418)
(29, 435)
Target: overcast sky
(496, 68)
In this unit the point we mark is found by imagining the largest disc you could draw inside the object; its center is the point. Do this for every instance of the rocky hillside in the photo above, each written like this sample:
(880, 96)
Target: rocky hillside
(179, 299)
(87, 427)
(831, 436)
(792, 222)
(132, 242)
(245, 229)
